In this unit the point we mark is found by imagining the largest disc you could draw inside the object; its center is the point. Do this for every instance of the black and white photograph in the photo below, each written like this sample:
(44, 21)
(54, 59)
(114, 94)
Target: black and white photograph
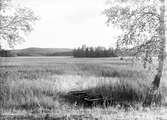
(83, 60)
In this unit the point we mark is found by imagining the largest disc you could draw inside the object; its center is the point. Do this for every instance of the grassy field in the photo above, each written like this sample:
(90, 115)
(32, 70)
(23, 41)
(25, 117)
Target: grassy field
(39, 85)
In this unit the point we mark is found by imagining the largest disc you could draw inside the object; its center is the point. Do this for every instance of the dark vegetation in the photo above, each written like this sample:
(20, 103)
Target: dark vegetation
(94, 52)
(77, 52)
(121, 93)
(85, 51)
(7, 53)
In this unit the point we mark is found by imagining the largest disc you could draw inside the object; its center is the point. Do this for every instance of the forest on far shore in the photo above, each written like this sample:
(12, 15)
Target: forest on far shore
(82, 51)
(85, 51)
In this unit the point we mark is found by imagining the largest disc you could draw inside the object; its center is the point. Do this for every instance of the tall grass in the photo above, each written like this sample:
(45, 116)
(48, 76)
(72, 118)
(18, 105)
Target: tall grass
(4, 90)
(43, 85)
(27, 94)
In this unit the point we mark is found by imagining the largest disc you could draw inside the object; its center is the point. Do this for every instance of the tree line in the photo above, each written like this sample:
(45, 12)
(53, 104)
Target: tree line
(7, 53)
(85, 51)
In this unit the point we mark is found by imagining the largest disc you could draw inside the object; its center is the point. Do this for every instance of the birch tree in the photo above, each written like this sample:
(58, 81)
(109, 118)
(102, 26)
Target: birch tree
(143, 26)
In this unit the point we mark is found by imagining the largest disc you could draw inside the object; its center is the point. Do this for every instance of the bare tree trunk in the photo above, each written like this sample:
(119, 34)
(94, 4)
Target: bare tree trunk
(0, 79)
(145, 59)
(156, 82)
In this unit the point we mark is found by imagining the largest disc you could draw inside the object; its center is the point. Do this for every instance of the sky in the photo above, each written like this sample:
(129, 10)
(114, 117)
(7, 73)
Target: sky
(68, 24)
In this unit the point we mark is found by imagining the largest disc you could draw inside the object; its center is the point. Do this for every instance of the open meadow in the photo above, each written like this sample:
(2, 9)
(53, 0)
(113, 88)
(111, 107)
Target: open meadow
(42, 86)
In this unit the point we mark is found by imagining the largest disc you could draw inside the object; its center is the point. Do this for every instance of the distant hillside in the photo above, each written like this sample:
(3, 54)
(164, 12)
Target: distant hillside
(43, 52)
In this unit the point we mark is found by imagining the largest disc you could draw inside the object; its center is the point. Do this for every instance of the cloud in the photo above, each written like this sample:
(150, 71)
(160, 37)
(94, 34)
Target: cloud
(69, 23)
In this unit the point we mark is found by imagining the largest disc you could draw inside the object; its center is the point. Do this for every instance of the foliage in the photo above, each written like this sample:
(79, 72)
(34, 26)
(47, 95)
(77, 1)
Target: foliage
(140, 22)
(94, 52)
(14, 22)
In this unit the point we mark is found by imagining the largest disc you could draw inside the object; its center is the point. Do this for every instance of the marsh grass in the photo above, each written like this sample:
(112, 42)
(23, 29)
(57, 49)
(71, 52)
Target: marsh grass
(109, 92)
(28, 94)
(44, 86)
